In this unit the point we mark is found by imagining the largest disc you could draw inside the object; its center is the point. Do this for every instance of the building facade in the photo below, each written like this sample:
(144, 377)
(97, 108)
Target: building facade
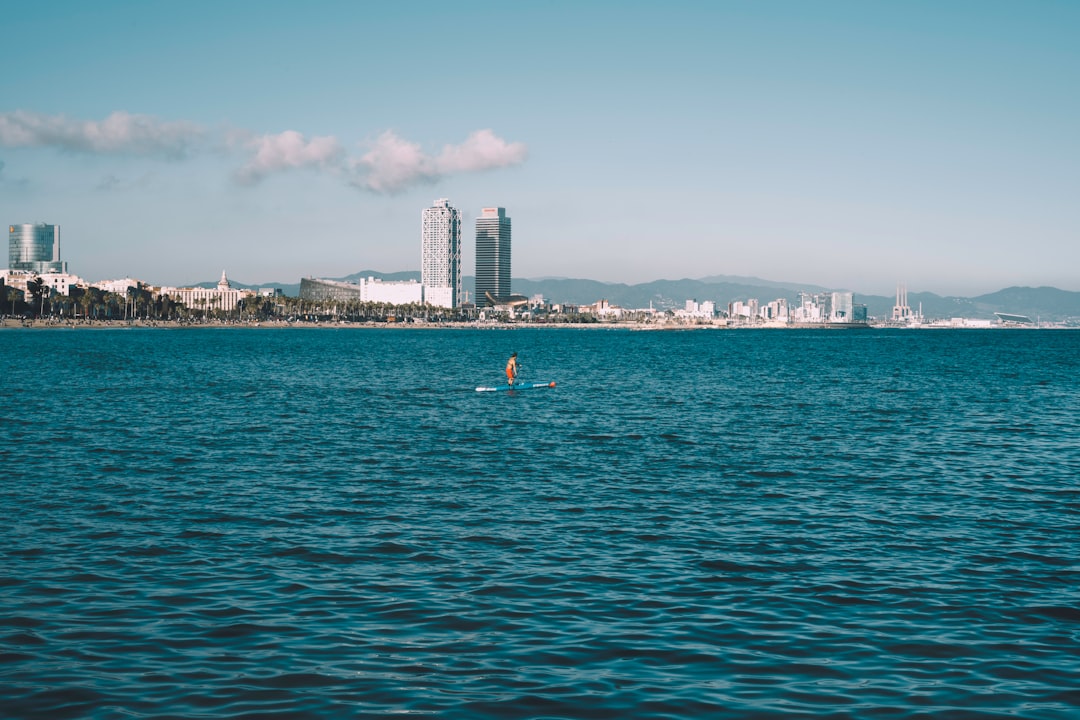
(440, 261)
(35, 249)
(492, 255)
(224, 297)
(372, 289)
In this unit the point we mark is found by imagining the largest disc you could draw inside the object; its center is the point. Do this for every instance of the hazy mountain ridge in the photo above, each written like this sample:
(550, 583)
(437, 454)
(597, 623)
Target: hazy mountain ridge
(1045, 303)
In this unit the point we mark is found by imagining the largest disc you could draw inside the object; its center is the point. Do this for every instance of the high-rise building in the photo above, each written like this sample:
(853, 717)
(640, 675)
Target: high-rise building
(35, 248)
(440, 262)
(492, 255)
(842, 307)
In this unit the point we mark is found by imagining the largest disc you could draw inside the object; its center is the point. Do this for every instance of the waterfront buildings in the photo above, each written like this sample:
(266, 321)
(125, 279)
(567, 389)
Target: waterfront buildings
(842, 307)
(369, 289)
(695, 310)
(59, 283)
(223, 297)
(35, 249)
(492, 256)
(120, 286)
(832, 308)
(440, 254)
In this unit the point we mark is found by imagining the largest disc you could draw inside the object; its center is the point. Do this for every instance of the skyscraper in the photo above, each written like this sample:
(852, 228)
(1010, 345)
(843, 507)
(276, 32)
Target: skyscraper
(35, 248)
(440, 262)
(492, 255)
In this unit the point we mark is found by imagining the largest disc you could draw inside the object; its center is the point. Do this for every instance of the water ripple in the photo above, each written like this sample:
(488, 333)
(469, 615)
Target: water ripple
(260, 523)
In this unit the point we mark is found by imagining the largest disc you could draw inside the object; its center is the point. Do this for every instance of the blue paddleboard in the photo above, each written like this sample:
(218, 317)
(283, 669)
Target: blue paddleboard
(518, 386)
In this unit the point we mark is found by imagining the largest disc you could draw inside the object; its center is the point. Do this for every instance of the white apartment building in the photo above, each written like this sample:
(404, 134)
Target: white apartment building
(439, 296)
(60, 283)
(119, 287)
(698, 311)
(440, 254)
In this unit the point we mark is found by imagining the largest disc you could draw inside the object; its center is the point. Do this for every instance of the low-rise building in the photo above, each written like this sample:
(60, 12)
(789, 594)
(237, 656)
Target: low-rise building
(371, 289)
(223, 297)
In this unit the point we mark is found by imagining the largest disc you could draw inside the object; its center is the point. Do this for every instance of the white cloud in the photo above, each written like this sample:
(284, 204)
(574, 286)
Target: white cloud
(289, 150)
(121, 133)
(390, 165)
(483, 150)
(394, 164)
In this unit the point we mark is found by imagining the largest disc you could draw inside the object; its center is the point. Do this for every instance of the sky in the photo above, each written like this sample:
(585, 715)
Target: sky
(853, 145)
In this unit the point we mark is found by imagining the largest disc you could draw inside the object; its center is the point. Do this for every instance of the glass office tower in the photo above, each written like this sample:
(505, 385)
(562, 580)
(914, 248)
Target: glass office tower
(35, 248)
(492, 255)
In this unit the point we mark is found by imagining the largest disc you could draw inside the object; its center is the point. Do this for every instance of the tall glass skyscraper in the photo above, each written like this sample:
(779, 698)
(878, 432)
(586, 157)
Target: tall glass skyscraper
(440, 262)
(35, 248)
(492, 255)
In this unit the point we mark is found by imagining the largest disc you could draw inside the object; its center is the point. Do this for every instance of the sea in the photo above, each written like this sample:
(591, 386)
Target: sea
(332, 523)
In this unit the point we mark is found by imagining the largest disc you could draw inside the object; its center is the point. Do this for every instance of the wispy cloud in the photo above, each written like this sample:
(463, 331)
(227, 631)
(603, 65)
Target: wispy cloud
(394, 164)
(391, 164)
(111, 183)
(121, 133)
(288, 151)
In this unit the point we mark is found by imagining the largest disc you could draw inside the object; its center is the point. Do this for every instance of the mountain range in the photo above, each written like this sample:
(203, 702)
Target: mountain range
(1042, 303)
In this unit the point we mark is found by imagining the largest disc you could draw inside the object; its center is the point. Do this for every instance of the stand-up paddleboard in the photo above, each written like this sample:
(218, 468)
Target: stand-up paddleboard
(518, 386)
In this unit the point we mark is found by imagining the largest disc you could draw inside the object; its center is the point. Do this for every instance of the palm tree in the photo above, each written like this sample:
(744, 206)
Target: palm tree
(59, 304)
(12, 294)
(97, 300)
(37, 289)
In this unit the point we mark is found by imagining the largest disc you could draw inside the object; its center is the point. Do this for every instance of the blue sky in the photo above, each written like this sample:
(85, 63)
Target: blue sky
(848, 144)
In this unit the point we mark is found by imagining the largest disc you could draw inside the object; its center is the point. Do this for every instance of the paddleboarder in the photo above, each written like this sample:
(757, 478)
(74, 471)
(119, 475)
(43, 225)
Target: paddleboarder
(511, 369)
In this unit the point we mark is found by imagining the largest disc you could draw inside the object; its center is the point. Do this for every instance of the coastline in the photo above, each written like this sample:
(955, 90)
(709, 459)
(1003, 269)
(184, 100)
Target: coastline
(53, 324)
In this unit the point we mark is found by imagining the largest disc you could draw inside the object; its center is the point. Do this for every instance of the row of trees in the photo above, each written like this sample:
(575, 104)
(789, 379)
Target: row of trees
(91, 303)
(41, 301)
(357, 311)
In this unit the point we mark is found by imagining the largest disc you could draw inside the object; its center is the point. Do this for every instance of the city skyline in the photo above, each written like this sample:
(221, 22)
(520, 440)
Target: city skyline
(836, 143)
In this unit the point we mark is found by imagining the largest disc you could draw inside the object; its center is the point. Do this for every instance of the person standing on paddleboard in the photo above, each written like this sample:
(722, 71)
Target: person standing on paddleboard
(511, 369)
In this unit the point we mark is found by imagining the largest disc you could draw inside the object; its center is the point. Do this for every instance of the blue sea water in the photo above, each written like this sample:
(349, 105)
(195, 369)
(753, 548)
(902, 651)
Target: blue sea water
(232, 523)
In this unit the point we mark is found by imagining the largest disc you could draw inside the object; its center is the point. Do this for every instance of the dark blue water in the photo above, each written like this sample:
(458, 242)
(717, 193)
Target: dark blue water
(332, 523)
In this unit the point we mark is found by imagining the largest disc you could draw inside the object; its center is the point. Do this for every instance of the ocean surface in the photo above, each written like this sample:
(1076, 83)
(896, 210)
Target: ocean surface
(332, 523)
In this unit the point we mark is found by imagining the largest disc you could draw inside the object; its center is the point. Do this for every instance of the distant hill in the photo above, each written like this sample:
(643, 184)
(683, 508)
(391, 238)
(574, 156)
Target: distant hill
(1045, 303)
